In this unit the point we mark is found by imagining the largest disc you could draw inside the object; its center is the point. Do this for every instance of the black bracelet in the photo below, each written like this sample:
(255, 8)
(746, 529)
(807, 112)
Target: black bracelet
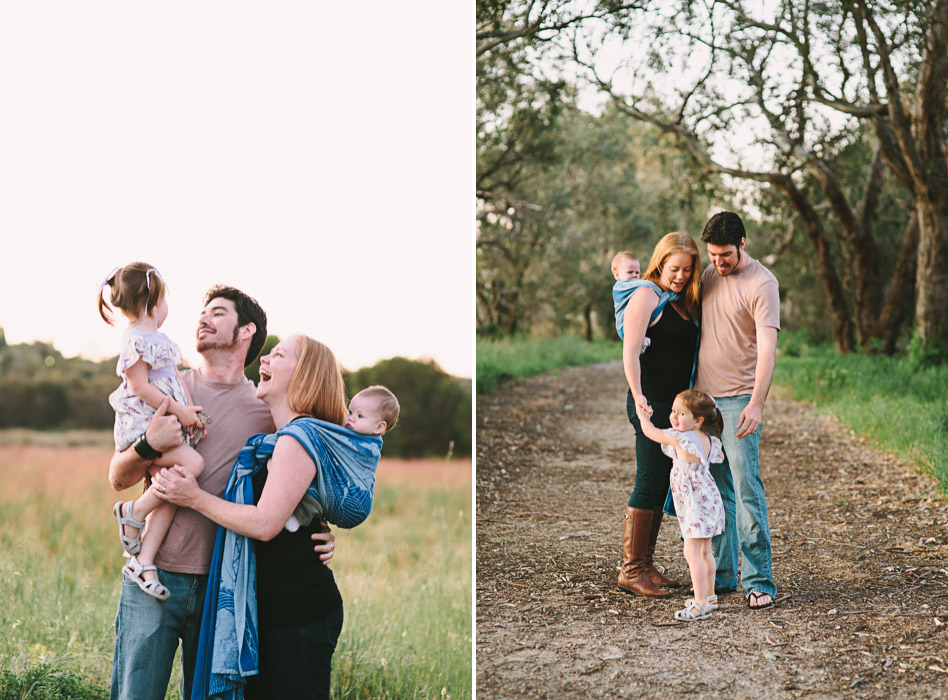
(144, 450)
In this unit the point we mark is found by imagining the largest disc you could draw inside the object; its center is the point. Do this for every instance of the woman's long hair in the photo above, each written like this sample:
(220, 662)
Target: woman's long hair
(678, 242)
(316, 387)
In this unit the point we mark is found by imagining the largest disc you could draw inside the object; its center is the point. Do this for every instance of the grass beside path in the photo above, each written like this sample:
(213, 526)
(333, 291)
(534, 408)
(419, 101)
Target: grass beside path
(902, 407)
(499, 361)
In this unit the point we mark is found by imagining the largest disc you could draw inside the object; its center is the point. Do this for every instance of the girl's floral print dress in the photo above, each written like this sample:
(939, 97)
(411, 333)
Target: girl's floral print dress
(162, 355)
(697, 499)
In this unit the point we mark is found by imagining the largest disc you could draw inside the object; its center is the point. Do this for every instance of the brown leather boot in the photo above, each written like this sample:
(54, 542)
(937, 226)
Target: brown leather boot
(656, 576)
(635, 535)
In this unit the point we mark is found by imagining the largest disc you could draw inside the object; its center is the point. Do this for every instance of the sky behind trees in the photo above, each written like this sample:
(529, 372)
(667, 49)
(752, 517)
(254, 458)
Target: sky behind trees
(308, 153)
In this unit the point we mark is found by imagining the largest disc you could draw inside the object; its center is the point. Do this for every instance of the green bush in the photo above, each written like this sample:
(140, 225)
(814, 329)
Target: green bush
(503, 360)
(44, 682)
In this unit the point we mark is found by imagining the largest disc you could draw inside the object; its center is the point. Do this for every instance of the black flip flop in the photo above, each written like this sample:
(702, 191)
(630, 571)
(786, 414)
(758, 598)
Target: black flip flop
(755, 596)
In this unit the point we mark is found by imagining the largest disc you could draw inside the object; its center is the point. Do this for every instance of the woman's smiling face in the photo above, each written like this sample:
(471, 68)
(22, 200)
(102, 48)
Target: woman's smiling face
(276, 370)
(676, 272)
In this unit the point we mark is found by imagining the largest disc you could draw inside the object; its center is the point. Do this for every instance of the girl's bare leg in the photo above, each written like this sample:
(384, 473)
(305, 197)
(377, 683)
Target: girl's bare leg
(708, 553)
(698, 568)
(148, 502)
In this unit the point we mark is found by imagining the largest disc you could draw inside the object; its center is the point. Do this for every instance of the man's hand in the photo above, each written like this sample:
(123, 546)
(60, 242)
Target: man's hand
(327, 544)
(750, 420)
(164, 431)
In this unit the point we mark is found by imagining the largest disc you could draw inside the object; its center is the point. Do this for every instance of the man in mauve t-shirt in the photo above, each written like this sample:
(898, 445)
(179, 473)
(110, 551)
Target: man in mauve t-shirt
(230, 335)
(740, 317)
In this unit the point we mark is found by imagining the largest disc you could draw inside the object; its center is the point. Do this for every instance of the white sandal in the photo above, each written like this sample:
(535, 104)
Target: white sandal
(693, 612)
(133, 571)
(713, 602)
(132, 545)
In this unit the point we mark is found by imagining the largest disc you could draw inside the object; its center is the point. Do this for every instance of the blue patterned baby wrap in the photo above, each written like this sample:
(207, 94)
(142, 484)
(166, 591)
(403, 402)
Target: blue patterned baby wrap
(623, 290)
(345, 480)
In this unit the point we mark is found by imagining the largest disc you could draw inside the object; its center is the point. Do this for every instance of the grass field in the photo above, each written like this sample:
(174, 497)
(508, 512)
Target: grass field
(502, 360)
(405, 574)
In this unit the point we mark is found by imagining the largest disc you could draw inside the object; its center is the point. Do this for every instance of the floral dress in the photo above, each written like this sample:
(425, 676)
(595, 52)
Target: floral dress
(162, 355)
(697, 499)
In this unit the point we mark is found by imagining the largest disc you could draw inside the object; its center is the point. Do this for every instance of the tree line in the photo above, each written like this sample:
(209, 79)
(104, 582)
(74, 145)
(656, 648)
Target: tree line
(43, 390)
(826, 120)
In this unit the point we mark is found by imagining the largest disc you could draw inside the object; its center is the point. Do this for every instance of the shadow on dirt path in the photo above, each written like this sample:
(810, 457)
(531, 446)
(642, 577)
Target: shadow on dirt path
(860, 562)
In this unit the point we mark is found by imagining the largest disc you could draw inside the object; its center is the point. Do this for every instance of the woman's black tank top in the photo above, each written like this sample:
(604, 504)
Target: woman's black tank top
(293, 586)
(667, 363)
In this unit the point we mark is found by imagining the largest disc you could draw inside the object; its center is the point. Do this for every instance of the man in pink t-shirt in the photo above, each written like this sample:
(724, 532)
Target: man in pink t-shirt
(740, 317)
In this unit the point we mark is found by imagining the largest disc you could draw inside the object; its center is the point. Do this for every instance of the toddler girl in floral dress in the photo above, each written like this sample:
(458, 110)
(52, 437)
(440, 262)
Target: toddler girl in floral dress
(148, 366)
(697, 499)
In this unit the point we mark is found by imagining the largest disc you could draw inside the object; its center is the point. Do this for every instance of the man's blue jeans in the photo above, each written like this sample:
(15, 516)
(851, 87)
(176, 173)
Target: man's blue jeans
(745, 507)
(147, 633)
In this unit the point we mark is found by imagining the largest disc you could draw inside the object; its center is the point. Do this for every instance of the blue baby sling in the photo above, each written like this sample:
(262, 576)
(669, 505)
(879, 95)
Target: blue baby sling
(623, 290)
(346, 463)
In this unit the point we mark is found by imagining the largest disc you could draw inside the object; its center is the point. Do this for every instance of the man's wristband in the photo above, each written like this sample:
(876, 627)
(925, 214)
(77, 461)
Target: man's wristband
(144, 450)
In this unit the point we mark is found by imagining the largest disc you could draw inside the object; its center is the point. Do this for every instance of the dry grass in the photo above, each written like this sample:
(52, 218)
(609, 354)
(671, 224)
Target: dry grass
(59, 572)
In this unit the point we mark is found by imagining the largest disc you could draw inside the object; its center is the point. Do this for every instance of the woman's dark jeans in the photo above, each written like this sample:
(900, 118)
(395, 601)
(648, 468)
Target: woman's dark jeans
(295, 662)
(652, 467)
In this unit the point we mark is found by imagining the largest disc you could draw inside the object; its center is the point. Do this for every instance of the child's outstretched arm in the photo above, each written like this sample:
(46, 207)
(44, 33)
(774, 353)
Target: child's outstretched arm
(653, 433)
(137, 378)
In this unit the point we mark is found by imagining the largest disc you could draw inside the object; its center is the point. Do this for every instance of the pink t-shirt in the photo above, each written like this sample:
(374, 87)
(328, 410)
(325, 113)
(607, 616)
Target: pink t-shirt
(732, 308)
(237, 414)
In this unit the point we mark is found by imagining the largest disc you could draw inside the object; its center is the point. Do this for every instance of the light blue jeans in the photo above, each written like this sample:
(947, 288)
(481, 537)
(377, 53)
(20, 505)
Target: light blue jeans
(745, 508)
(147, 633)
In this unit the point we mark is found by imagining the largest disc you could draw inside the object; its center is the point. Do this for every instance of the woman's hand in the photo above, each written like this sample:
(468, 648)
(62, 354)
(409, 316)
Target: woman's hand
(326, 543)
(176, 485)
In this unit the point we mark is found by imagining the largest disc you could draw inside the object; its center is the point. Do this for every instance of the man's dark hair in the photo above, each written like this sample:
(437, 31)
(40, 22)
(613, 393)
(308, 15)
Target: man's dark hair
(724, 228)
(248, 311)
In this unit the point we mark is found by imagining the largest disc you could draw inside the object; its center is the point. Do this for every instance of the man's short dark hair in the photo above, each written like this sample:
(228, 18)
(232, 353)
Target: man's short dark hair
(248, 311)
(724, 228)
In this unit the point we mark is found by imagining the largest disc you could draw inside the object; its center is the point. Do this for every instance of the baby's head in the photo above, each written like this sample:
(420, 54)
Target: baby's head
(373, 411)
(625, 266)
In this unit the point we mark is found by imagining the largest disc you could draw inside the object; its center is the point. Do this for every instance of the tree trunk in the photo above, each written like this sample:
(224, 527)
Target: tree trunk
(843, 330)
(587, 321)
(931, 310)
(901, 297)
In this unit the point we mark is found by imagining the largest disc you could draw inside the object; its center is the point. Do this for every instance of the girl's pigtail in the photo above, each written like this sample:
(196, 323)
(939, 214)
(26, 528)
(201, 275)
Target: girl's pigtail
(105, 311)
(717, 425)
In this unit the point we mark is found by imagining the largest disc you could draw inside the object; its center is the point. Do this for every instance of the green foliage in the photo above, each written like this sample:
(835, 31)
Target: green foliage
(932, 354)
(501, 361)
(892, 400)
(435, 408)
(43, 390)
(44, 682)
(560, 192)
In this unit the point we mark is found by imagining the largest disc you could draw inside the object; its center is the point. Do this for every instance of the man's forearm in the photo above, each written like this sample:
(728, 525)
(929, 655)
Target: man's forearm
(127, 469)
(766, 362)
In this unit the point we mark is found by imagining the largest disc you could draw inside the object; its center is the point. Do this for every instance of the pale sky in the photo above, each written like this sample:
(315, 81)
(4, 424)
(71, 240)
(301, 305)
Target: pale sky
(317, 155)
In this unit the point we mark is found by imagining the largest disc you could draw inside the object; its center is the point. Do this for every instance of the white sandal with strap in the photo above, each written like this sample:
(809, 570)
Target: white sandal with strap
(133, 571)
(132, 545)
(693, 612)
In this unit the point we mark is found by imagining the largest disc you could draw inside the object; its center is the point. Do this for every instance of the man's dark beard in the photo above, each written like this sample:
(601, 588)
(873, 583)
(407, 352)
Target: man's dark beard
(208, 344)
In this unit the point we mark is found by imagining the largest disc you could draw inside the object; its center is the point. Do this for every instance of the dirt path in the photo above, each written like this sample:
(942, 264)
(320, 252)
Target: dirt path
(859, 560)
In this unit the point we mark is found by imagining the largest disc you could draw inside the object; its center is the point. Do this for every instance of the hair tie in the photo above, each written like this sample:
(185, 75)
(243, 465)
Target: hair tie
(108, 278)
(714, 401)
(148, 279)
